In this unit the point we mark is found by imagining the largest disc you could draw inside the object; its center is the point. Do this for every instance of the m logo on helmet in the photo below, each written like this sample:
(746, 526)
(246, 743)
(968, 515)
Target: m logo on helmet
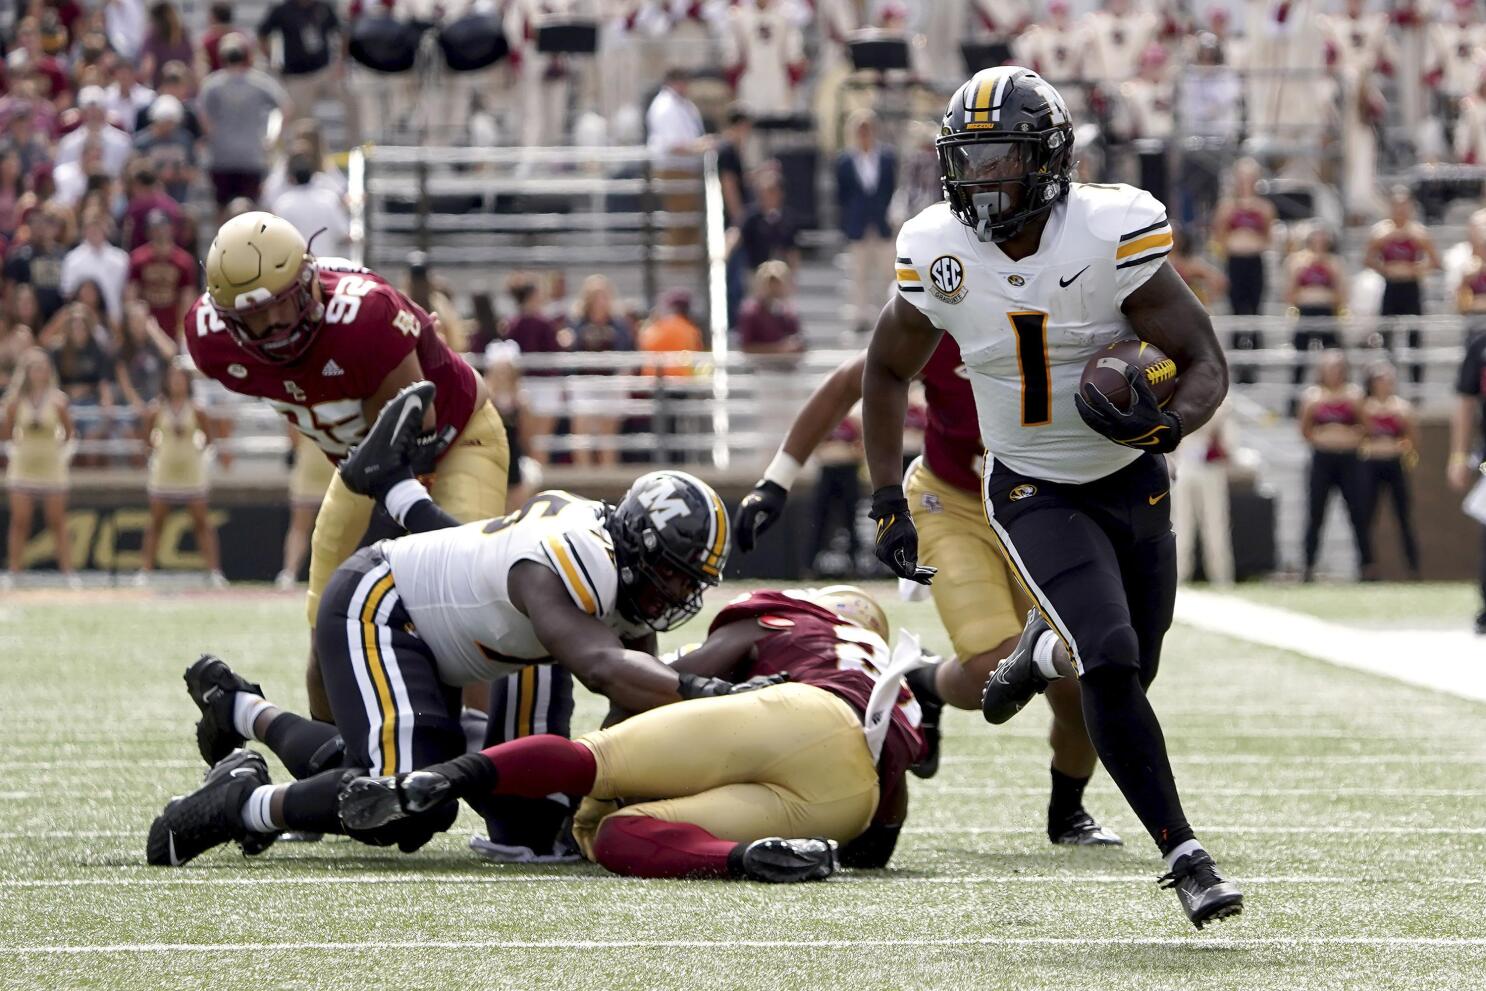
(663, 501)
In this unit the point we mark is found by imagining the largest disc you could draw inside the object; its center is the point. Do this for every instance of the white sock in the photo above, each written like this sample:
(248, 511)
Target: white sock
(1181, 851)
(256, 814)
(1042, 656)
(246, 708)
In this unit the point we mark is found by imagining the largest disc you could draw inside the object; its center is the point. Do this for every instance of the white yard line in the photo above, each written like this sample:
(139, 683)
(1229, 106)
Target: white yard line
(1194, 940)
(1448, 661)
(993, 791)
(424, 880)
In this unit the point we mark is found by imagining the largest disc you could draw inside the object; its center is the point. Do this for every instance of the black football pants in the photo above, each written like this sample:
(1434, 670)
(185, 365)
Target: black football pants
(1099, 560)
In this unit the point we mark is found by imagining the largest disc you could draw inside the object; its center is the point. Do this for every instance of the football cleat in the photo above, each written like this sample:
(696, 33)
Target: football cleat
(211, 685)
(1016, 679)
(384, 455)
(370, 803)
(211, 815)
(1081, 829)
(780, 861)
(1204, 894)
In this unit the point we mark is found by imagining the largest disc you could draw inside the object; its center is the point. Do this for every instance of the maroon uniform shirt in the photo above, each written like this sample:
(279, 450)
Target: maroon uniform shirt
(952, 447)
(160, 282)
(369, 328)
(817, 648)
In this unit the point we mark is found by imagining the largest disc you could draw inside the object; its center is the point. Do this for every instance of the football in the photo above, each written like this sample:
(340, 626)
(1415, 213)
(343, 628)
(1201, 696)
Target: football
(1106, 370)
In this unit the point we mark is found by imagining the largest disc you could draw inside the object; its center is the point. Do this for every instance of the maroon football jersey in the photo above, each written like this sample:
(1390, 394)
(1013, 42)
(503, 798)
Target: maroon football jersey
(952, 447)
(817, 648)
(368, 329)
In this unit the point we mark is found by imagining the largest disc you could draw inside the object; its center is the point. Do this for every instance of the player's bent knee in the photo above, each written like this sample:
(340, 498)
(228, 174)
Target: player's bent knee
(1118, 649)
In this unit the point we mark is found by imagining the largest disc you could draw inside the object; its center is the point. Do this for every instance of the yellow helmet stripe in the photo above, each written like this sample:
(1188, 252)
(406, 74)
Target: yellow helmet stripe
(720, 528)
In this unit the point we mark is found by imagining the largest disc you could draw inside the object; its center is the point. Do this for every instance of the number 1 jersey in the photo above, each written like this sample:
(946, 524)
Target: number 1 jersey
(1026, 328)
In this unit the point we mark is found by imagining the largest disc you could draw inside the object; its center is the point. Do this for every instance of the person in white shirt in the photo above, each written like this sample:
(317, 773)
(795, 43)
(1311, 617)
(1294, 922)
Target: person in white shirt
(70, 179)
(1199, 500)
(116, 145)
(126, 96)
(1115, 37)
(766, 54)
(96, 260)
(125, 24)
(315, 210)
(673, 124)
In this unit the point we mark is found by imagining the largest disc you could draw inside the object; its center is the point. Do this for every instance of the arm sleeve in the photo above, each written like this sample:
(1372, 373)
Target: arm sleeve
(1468, 382)
(1144, 242)
(911, 268)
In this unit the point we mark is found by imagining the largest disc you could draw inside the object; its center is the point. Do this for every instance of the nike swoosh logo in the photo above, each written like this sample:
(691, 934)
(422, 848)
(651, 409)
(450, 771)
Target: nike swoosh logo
(402, 415)
(1157, 498)
(1068, 282)
(174, 860)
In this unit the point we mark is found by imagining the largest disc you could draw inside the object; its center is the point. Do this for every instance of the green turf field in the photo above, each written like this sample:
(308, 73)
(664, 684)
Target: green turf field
(1350, 808)
(1426, 605)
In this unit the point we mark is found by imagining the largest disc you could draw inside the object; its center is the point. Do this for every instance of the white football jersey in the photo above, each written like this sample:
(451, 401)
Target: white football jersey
(1026, 328)
(453, 583)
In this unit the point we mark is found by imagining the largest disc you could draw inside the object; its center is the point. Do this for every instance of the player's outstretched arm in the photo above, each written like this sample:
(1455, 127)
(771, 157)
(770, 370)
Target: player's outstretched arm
(827, 406)
(1164, 312)
(902, 344)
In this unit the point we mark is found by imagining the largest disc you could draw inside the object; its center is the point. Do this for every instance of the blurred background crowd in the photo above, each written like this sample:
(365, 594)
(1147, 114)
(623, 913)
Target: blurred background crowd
(656, 223)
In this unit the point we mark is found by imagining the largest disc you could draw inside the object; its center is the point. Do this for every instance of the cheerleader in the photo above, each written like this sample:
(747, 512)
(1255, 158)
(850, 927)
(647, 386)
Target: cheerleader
(35, 417)
(1389, 450)
(179, 434)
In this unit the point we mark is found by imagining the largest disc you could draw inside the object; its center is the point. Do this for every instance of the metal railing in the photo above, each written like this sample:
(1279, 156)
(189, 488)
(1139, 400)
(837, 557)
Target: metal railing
(721, 410)
(473, 209)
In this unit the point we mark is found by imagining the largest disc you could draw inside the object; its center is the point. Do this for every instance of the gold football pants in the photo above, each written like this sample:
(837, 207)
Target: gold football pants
(470, 485)
(978, 602)
(790, 760)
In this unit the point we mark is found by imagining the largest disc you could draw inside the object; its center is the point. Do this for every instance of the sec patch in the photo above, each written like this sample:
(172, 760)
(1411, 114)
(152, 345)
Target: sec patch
(775, 622)
(947, 278)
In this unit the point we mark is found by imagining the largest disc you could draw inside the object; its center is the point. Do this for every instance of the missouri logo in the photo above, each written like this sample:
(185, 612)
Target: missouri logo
(1016, 280)
(947, 278)
(1022, 491)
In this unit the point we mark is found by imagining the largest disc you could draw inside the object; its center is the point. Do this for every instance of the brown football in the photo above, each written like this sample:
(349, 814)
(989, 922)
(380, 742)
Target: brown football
(1105, 372)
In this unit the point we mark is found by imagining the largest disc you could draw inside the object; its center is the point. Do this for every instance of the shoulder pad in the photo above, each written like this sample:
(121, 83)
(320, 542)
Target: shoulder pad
(1116, 211)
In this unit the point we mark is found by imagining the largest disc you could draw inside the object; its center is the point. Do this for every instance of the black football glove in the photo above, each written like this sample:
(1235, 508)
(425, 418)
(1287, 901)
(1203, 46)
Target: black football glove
(759, 510)
(1146, 427)
(897, 538)
(694, 686)
(428, 447)
(384, 456)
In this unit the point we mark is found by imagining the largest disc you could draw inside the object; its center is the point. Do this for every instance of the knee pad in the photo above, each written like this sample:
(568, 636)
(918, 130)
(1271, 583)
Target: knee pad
(331, 753)
(1118, 650)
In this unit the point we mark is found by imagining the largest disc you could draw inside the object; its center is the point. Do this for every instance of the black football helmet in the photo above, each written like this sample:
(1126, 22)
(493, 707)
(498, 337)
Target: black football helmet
(671, 538)
(1005, 151)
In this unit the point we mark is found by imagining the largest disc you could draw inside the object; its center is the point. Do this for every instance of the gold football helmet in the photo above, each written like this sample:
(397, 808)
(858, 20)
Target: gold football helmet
(256, 262)
(855, 606)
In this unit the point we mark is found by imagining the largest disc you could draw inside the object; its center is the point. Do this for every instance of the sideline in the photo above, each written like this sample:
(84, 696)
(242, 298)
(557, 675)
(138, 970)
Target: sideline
(1449, 661)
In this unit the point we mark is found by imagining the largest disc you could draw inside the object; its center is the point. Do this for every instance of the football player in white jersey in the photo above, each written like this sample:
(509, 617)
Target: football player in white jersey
(406, 623)
(1032, 274)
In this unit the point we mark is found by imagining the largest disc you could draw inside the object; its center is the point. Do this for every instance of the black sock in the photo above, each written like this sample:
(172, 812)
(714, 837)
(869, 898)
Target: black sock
(1067, 798)
(299, 743)
(1125, 731)
(921, 681)
(313, 805)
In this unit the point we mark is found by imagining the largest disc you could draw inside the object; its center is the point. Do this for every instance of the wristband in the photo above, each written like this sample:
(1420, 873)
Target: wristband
(783, 470)
(402, 497)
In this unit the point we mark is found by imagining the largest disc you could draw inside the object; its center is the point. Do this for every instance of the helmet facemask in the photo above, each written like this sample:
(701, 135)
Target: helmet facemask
(998, 183)
(285, 343)
(657, 587)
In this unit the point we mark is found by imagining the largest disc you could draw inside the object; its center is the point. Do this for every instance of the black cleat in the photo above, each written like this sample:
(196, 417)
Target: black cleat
(932, 706)
(1204, 893)
(370, 803)
(1016, 679)
(211, 815)
(1081, 829)
(211, 685)
(385, 454)
(781, 861)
